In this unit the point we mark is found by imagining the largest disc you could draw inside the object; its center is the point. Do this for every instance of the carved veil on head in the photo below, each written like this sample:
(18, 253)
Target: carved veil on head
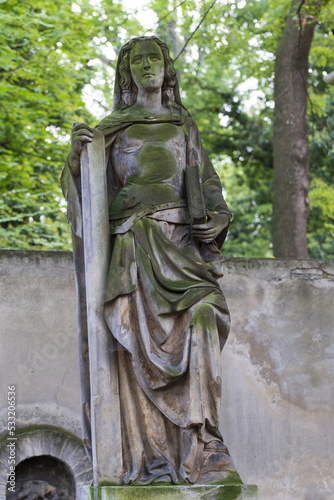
(125, 91)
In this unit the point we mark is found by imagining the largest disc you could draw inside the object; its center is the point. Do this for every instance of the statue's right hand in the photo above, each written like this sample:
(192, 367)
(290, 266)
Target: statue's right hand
(81, 134)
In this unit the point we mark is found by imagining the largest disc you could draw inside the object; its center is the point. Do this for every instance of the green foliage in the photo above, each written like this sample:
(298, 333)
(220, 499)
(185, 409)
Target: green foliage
(57, 55)
(217, 80)
(321, 122)
(249, 234)
(227, 64)
(49, 54)
(321, 218)
(40, 87)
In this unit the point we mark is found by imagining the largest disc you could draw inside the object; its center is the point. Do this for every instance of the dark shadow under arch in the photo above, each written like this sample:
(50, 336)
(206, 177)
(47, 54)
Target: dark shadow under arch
(42, 478)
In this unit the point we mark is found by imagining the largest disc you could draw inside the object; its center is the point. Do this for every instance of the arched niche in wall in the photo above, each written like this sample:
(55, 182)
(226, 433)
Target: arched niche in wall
(65, 450)
(43, 477)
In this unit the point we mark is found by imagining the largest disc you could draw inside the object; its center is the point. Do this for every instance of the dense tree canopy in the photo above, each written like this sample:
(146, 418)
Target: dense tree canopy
(49, 55)
(43, 72)
(57, 57)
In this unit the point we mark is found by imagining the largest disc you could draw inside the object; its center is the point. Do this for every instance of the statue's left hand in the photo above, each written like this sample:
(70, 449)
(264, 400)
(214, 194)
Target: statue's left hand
(209, 230)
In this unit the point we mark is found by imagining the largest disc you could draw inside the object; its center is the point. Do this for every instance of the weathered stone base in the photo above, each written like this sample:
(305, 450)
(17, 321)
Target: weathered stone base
(198, 492)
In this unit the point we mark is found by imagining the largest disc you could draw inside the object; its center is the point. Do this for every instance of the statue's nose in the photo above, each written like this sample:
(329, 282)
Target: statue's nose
(146, 64)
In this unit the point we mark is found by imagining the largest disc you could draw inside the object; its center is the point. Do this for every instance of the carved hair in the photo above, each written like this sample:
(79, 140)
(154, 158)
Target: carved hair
(129, 89)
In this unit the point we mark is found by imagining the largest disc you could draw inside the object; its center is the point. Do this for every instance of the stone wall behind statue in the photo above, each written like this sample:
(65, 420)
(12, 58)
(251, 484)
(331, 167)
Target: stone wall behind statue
(277, 369)
(278, 376)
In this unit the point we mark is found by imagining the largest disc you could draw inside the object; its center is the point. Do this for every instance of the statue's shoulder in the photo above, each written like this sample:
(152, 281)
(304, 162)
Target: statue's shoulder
(186, 118)
(112, 120)
(189, 123)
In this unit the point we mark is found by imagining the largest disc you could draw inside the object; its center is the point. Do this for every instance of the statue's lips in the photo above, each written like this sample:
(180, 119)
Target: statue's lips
(148, 75)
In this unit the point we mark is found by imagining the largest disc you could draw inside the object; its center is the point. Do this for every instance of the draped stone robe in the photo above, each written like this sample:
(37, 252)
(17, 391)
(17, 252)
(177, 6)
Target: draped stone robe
(163, 304)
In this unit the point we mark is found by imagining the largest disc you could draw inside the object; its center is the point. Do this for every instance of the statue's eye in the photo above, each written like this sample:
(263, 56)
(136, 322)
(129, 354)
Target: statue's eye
(154, 58)
(136, 60)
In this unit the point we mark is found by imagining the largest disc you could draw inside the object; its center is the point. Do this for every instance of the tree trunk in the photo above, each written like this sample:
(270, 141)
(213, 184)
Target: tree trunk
(291, 158)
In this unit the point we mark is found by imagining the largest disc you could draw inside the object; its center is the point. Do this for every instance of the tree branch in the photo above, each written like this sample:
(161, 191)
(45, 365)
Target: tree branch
(192, 34)
(106, 60)
(170, 12)
(300, 6)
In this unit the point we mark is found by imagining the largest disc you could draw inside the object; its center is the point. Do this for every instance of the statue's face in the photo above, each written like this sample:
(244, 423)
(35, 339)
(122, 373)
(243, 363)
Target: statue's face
(147, 66)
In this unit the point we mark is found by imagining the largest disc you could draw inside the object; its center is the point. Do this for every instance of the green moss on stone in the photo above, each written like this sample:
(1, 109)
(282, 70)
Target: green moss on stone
(159, 133)
(152, 156)
(199, 492)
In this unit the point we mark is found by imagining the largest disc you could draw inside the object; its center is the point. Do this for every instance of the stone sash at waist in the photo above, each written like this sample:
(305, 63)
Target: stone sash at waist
(123, 225)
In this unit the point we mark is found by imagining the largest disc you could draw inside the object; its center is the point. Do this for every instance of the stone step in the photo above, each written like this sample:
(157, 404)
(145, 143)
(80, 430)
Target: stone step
(198, 492)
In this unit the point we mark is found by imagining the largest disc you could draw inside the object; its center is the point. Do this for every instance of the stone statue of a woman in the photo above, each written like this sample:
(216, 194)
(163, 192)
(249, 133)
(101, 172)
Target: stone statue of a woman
(163, 304)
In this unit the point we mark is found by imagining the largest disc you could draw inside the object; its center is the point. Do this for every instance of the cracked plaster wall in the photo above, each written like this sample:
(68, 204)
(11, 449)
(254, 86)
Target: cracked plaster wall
(277, 367)
(278, 408)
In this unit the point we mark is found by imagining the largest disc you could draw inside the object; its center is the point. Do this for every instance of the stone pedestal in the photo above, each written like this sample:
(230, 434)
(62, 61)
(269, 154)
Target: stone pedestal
(199, 492)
